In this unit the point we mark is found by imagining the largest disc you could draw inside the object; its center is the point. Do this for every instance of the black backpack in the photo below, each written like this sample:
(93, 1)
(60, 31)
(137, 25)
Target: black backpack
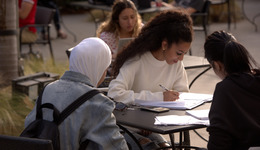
(44, 129)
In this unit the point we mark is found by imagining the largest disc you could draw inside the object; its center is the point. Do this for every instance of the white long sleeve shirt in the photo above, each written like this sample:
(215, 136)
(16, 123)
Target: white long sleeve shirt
(139, 78)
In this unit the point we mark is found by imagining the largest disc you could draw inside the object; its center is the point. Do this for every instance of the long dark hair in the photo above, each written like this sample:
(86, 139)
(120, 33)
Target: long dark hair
(172, 26)
(223, 47)
(112, 22)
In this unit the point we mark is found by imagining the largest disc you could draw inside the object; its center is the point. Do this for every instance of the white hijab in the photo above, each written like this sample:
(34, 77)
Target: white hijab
(90, 57)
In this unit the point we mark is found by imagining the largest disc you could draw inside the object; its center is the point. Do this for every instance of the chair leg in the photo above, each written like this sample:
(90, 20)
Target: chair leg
(205, 30)
(172, 140)
(50, 46)
(30, 49)
(186, 139)
(204, 25)
(52, 56)
(229, 14)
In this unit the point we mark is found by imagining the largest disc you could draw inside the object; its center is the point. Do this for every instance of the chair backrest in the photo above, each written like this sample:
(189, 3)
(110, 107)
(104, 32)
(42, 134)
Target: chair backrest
(206, 6)
(68, 51)
(219, 2)
(44, 15)
(14, 143)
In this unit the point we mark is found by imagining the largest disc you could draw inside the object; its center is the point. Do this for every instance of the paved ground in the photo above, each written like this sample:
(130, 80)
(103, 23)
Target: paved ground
(82, 27)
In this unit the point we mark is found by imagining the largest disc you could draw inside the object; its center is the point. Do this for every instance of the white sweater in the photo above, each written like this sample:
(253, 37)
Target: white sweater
(139, 78)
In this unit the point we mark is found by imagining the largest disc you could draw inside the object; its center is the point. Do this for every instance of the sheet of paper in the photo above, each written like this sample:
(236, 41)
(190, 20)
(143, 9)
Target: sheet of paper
(178, 104)
(186, 101)
(179, 120)
(199, 114)
(196, 96)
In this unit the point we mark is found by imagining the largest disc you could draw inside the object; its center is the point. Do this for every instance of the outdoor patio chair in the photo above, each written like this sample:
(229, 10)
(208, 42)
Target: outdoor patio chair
(43, 19)
(225, 2)
(202, 17)
(68, 51)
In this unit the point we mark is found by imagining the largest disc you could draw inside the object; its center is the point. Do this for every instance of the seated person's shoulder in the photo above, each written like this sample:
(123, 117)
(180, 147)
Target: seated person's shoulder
(102, 100)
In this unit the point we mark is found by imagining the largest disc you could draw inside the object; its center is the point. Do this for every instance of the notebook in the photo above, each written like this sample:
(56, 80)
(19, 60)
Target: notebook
(199, 114)
(185, 101)
(122, 43)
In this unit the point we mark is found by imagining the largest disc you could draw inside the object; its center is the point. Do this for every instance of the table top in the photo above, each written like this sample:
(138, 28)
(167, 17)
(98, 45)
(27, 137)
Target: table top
(137, 118)
(191, 62)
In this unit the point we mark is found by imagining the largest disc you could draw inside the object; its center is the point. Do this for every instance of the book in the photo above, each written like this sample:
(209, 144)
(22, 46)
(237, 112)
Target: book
(199, 114)
(155, 109)
(185, 102)
(179, 120)
(178, 104)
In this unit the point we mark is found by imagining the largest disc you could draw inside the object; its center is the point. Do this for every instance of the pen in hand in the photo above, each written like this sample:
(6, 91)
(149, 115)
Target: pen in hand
(163, 87)
(169, 95)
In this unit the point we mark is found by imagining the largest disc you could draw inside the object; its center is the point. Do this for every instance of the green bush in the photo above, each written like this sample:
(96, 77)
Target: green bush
(14, 107)
(13, 111)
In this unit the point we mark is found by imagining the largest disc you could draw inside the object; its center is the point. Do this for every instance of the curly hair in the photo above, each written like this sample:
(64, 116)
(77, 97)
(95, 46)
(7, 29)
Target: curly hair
(174, 26)
(112, 22)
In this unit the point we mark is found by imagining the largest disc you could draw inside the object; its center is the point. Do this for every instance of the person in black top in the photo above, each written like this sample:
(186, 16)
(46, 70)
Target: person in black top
(235, 111)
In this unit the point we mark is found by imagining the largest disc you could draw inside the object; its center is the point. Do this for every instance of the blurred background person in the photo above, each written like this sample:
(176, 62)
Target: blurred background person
(27, 11)
(56, 18)
(123, 22)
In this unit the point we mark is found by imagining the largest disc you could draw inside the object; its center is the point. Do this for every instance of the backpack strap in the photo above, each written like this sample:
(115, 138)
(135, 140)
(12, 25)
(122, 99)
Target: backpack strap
(74, 105)
(57, 116)
(39, 107)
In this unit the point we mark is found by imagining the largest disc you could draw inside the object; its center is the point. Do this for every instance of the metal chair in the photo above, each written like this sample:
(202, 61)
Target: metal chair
(68, 51)
(14, 143)
(223, 2)
(43, 19)
(203, 16)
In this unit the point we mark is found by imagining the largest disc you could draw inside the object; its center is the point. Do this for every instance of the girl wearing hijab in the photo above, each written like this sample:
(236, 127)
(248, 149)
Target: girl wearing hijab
(93, 120)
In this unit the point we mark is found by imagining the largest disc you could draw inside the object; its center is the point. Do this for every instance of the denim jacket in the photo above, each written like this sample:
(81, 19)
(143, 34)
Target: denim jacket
(93, 120)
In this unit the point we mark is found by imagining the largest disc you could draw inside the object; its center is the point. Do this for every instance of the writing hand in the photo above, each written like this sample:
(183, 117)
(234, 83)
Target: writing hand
(170, 95)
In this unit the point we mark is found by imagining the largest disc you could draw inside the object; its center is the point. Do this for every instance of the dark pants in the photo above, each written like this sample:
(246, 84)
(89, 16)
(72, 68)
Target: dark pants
(56, 17)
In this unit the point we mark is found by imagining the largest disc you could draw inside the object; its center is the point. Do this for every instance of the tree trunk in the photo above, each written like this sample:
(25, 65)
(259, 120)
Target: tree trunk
(8, 41)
